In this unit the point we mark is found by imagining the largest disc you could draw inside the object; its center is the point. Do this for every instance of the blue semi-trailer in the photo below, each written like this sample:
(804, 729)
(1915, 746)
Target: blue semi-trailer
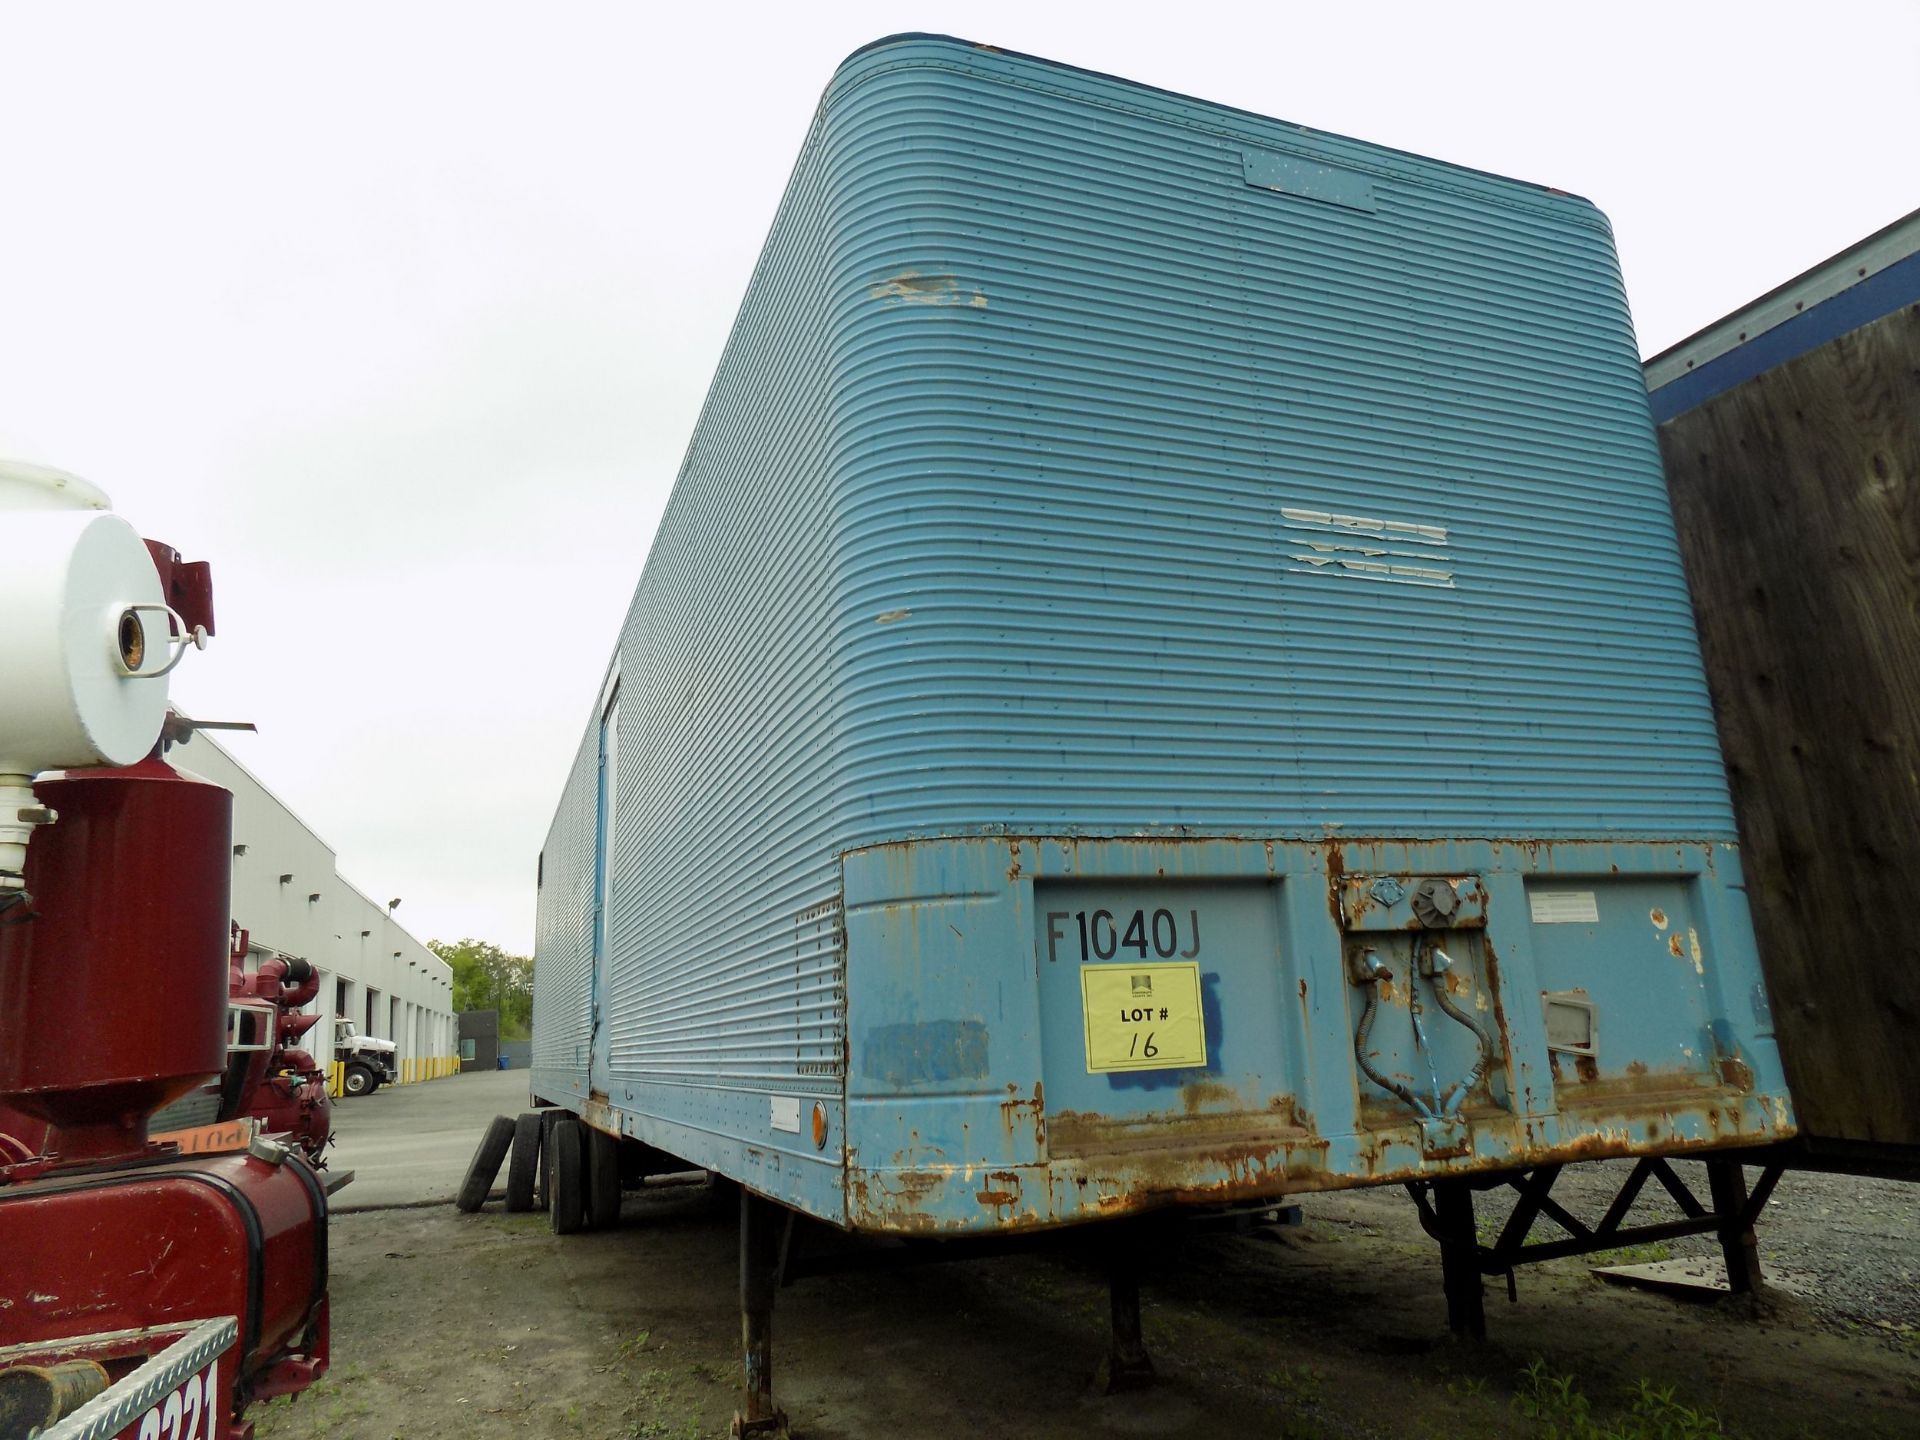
(1166, 679)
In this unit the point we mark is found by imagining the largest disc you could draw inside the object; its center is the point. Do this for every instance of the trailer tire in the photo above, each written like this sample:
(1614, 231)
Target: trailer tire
(603, 1180)
(523, 1162)
(486, 1164)
(358, 1081)
(566, 1178)
(543, 1199)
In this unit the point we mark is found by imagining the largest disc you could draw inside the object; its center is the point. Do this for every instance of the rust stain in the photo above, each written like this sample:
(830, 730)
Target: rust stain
(1336, 881)
(1015, 1112)
(1500, 1036)
(1179, 1140)
(1648, 1090)
(912, 1185)
(1196, 1095)
(1659, 918)
(1673, 947)
(1013, 870)
(1736, 1074)
(1288, 1108)
(1004, 1198)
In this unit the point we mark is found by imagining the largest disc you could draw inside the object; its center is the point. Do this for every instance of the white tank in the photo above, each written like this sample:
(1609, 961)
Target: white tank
(84, 641)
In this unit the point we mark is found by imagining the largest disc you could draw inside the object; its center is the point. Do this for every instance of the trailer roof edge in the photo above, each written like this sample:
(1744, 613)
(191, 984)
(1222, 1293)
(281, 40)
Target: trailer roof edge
(1869, 279)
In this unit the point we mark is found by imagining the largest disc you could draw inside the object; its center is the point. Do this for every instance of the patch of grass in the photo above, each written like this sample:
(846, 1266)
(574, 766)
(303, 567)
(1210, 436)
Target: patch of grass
(633, 1345)
(322, 1408)
(653, 1383)
(1299, 1383)
(1651, 1254)
(1555, 1404)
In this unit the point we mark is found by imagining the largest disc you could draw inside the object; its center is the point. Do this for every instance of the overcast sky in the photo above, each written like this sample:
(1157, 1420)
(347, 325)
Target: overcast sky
(401, 314)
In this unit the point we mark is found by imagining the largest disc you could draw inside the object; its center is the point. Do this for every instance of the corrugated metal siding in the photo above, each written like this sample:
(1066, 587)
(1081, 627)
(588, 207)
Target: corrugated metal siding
(563, 930)
(727, 816)
(1084, 467)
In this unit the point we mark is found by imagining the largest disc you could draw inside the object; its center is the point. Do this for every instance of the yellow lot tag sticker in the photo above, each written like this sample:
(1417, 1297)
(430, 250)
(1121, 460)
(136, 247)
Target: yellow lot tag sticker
(1143, 1017)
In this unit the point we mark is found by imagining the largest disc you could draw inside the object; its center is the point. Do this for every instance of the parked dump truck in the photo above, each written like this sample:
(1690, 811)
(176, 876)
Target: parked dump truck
(1166, 679)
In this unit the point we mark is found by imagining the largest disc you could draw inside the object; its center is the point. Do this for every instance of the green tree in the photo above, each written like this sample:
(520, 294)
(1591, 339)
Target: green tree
(485, 977)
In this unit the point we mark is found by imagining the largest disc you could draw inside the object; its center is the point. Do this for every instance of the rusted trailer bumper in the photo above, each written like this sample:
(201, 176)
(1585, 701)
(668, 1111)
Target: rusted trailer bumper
(1042, 1032)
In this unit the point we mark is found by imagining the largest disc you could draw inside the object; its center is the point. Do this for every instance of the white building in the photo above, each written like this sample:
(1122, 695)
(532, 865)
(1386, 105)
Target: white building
(290, 897)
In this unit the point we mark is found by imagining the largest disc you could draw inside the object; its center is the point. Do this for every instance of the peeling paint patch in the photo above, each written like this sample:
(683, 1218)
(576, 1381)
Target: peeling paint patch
(1369, 547)
(887, 617)
(1693, 943)
(1658, 917)
(910, 287)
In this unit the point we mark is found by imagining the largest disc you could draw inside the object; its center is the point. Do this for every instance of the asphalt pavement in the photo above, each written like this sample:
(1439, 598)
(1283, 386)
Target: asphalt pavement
(411, 1144)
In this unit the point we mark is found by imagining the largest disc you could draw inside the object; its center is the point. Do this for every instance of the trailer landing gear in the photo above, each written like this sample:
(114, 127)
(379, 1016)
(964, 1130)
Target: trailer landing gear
(765, 1228)
(1459, 1258)
(1127, 1365)
(1446, 1213)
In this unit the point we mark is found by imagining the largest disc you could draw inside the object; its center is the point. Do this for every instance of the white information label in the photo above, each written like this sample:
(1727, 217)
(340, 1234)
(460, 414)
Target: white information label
(786, 1113)
(1563, 907)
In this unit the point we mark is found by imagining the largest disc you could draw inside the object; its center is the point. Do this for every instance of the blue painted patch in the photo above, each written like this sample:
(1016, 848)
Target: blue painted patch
(925, 1052)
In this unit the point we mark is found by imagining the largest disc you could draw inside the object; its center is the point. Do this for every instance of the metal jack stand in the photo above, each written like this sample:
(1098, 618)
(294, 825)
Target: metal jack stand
(1446, 1213)
(1727, 1185)
(764, 1232)
(1127, 1365)
(1459, 1259)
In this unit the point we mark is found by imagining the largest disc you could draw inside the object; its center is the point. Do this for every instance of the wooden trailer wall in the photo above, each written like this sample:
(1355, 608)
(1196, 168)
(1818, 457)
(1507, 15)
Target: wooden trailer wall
(1797, 495)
